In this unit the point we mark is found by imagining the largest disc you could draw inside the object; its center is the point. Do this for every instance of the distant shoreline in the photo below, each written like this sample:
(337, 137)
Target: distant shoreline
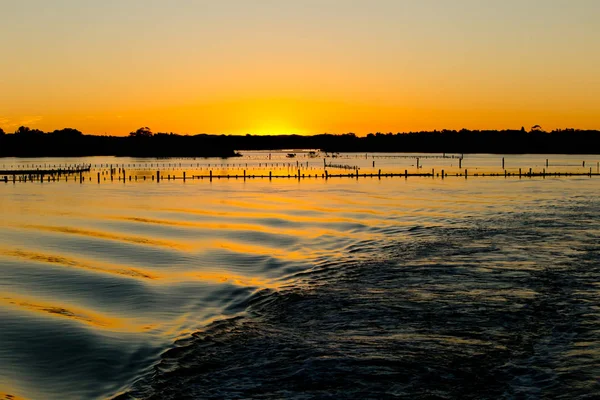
(72, 143)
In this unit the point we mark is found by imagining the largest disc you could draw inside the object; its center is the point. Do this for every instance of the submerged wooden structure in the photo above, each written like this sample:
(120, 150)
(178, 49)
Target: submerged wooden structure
(87, 174)
(173, 171)
(22, 175)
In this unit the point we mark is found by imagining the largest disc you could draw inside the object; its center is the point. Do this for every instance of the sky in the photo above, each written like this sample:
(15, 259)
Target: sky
(302, 66)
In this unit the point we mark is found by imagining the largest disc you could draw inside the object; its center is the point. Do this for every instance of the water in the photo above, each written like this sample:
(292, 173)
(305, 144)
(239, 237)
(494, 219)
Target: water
(410, 288)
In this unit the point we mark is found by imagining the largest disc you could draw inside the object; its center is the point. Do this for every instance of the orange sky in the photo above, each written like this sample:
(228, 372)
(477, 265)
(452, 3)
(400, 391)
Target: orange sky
(299, 67)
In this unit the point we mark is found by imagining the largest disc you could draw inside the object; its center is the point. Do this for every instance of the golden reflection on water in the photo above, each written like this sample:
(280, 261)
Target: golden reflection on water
(72, 263)
(203, 225)
(233, 226)
(259, 250)
(276, 212)
(196, 242)
(109, 236)
(7, 396)
(208, 276)
(71, 312)
(226, 277)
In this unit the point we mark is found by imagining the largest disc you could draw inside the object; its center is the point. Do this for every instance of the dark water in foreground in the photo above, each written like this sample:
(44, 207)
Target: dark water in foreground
(504, 306)
(420, 288)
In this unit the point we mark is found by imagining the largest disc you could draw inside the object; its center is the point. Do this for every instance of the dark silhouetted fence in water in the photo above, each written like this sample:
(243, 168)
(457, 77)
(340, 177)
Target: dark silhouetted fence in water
(78, 175)
(171, 171)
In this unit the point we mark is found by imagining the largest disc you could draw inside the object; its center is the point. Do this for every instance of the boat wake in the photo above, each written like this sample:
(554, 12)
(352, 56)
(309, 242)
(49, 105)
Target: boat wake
(504, 307)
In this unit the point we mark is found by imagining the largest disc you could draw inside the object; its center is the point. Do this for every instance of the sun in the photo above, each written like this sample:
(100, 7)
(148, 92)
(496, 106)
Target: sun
(275, 126)
(275, 129)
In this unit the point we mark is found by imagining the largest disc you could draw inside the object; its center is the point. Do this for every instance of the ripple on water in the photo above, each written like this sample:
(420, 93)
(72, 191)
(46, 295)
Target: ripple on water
(431, 319)
(411, 289)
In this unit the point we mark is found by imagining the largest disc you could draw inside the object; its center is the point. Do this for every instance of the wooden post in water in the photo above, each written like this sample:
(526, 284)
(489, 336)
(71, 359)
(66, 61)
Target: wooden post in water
(98, 177)
(546, 163)
(270, 175)
(519, 172)
(298, 174)
(405, 173)
(158, 176)
(184, 176)
(530, 172)
(210, 175)
(460, 163)
(466, 173)
(502, 162)
(379, 174)
(442, 174)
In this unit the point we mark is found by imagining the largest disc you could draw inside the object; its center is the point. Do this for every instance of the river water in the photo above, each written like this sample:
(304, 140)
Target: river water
(478, 287)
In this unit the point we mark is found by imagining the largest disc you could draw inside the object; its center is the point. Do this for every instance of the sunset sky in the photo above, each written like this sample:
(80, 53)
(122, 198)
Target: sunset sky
(304, 66)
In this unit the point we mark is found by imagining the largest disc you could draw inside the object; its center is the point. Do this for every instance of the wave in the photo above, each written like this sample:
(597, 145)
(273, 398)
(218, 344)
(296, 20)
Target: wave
(495, 308)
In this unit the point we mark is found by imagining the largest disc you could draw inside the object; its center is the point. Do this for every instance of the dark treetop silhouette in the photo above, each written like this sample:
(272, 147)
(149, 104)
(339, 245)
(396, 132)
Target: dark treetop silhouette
(26, 142)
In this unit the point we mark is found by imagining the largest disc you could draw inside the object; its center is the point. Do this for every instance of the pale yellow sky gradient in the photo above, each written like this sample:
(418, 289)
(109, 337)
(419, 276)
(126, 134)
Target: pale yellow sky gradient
(298, 66)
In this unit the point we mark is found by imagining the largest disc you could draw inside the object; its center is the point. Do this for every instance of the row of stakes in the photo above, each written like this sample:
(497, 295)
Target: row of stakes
(74, 169)
(299, 175)
(191, 165)
(239, 165)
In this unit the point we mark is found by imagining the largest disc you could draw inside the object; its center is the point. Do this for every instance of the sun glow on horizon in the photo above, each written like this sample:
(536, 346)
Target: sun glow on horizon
(317, 66)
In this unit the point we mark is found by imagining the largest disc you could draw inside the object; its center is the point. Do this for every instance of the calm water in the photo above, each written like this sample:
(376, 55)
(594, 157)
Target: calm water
(410, 288)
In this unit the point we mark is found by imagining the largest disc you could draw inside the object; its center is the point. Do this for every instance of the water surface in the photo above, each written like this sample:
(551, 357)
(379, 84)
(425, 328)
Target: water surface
(370, 288)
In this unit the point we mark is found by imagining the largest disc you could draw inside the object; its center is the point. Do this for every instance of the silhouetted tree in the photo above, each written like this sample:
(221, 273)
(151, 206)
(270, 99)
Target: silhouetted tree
(2, 133)
(66, 133)
(141, 132)
(536, 128)
(22, 130)
(26, 131)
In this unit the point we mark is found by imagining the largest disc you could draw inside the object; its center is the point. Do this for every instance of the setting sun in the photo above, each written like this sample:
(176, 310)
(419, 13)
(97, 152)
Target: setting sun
(298, 67)
(299, 199)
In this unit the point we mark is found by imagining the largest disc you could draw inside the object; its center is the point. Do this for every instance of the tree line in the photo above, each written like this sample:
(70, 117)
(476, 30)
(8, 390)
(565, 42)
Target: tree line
(69, 142)
(144, 143)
